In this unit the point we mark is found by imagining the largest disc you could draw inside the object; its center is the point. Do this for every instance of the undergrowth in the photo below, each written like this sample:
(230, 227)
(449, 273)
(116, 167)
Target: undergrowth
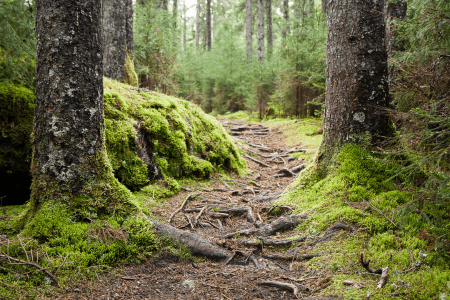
(394, 222)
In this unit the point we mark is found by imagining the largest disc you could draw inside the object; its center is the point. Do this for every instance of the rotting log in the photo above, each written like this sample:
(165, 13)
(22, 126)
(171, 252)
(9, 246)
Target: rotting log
(196, 244)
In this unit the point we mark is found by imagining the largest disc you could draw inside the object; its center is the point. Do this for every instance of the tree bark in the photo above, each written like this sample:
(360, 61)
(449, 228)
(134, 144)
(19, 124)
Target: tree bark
(249, 29)
(69, 155)
(114, 38)
(197, 25)
(394, 11)
(356, 74)
(183, 44)
(208, 25)
(175, 13)
(324, 6)
(129, 27)
(260, 30)
(269, 28)
(285, 30)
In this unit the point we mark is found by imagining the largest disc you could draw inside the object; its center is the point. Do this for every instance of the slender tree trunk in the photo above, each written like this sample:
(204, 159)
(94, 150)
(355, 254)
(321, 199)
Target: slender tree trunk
(311, 8)
(260, 30)
(249, 29)
(324, 6)
(175, 13)
(114, 38)
(285, 30)
(269, 28)
(208, 25)
(129, 27)
(197, 25)
(183, 44)
(356, 74)
(394, 11)
(69, 154)
(297, 5)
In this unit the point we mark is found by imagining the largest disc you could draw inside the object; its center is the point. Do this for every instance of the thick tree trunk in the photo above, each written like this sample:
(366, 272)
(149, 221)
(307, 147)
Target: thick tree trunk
(197, 25)
(249, 29)
(260, 30)
(394, 11)
(69, 155)
(114, 38)
(356, 74)
(285, 30)
(269, 28)
(129, 27)
(208, 25)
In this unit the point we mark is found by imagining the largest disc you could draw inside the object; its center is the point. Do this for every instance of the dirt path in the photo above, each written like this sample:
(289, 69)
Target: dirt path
(238, 215)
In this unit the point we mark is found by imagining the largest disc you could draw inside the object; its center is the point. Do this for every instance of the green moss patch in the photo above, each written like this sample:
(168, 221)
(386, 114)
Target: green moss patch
(360, 191)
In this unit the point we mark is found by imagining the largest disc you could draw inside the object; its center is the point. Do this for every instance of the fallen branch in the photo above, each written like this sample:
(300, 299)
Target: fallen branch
(365, 264)
(286, 286)
(266, 198)
(383, 279)
(190, 196)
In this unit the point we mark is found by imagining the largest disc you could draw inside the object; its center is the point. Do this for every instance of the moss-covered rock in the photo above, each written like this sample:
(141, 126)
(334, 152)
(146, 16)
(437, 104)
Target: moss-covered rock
(150, 137)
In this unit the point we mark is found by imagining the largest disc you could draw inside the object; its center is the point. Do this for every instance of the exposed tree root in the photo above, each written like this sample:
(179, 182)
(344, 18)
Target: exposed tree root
(267, 198)
(257, 161)
(298, 257)
(190, 196)
(196, 244)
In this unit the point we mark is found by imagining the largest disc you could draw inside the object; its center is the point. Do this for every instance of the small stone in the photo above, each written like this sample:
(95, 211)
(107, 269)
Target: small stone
(188, 283)
(76, 290)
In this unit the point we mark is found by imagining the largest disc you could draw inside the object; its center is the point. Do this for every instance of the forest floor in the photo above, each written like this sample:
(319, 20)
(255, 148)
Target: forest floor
(229, 212)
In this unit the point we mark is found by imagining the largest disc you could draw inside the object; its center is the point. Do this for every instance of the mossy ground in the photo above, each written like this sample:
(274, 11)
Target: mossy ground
(152, 142)
(358, 183)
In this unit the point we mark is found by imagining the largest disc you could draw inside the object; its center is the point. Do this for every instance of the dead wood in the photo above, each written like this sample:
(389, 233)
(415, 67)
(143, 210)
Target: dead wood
(190, 196)
(200, 213)
(365, 265)
(268, 198)
(286, 286)
(214, 201)
(209, 213)
(383, 279)
(298, 257)
(245, 128)
(257, 161)
(298, 168)
(196, 244)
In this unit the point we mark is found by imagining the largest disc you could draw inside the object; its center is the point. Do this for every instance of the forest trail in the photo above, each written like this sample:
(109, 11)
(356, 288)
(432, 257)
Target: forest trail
(238, 214)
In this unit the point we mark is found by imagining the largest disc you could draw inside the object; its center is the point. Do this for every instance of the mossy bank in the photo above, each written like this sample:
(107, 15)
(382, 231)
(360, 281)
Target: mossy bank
(392, 220)
(152, 139)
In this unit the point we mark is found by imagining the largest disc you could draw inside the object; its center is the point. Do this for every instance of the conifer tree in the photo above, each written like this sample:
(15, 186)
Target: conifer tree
(269, 28)
(249, 29)
(356, 75)
(260, 30)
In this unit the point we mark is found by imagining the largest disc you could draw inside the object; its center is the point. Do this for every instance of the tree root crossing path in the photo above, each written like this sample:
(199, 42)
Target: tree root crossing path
(250, 248)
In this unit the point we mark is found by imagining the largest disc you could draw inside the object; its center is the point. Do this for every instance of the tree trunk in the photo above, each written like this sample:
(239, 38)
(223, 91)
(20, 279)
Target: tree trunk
(175, 13)
(311, 8)
(269, 28)
(324, 6)
(208, 24)
(183, 44)
(260, 30)
(285, 30)
(356, 74)
(70, 164)
(197, 25)
(394, 11)
(129, 27)
(114, 38)
(249, 29)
